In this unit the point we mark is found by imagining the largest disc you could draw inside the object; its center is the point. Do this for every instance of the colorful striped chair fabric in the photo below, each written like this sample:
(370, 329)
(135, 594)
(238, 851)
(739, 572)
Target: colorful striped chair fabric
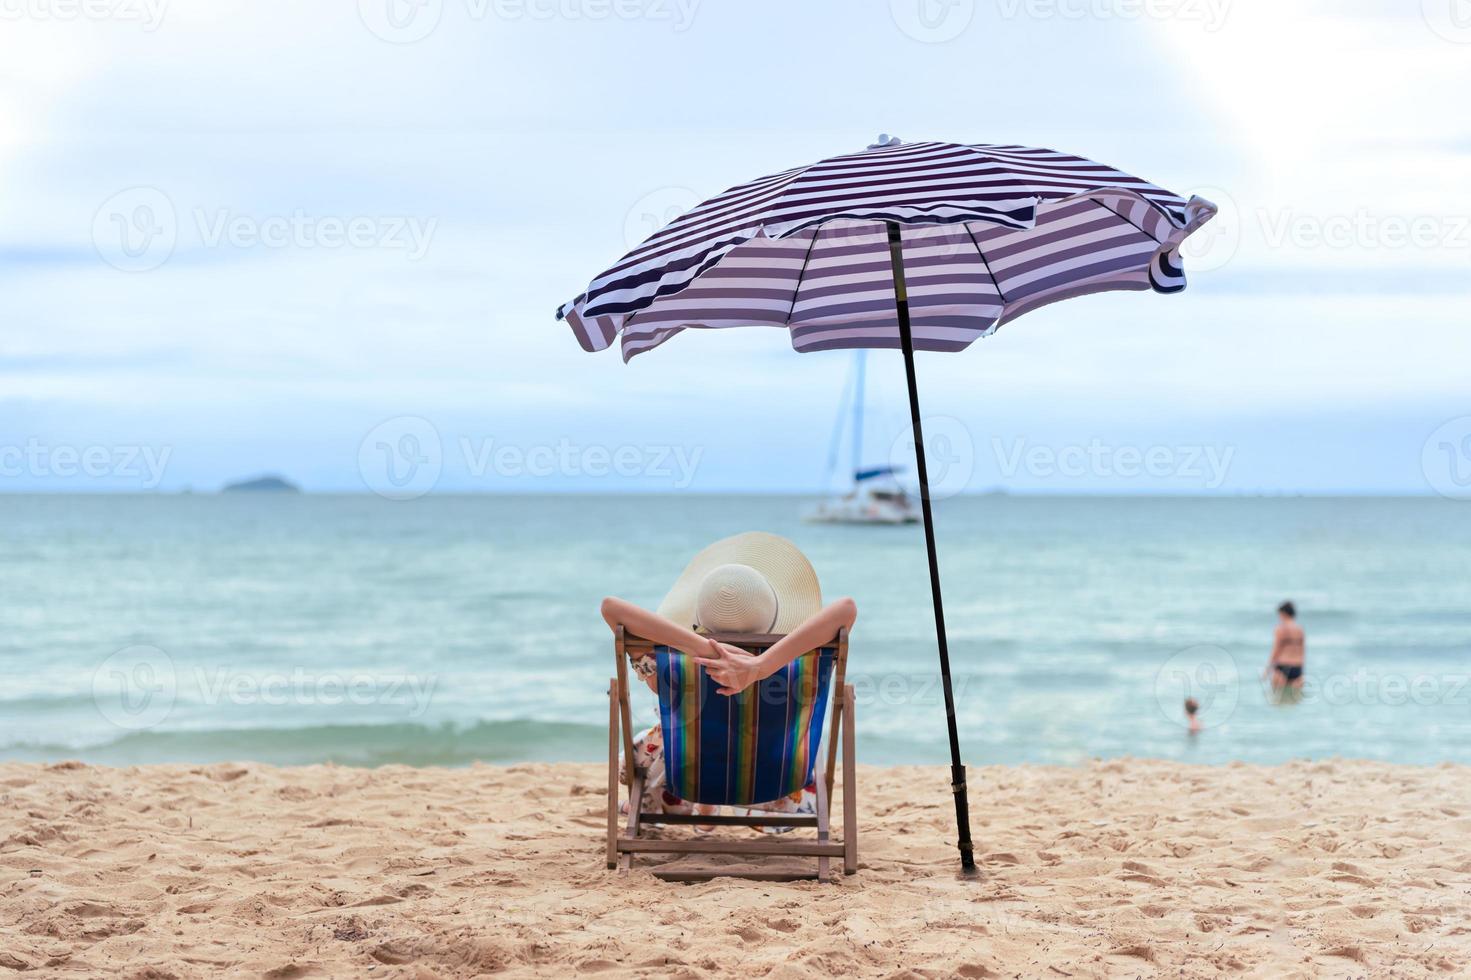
(754, 747)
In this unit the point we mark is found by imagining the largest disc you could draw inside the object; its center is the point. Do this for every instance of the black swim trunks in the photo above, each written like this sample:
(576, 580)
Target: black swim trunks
(1289, 672)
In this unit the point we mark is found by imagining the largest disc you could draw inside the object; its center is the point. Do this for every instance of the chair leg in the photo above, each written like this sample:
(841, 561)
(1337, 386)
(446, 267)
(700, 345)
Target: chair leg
(832, 740)
(850, 788)
(613, 773)
(635, 804)
(823, 805)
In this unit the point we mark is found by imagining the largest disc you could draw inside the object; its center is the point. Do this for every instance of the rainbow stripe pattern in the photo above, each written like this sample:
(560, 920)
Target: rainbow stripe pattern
(755, 747)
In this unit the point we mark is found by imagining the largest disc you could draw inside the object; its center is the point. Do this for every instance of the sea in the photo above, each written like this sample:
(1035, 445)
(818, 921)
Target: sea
(452, 629)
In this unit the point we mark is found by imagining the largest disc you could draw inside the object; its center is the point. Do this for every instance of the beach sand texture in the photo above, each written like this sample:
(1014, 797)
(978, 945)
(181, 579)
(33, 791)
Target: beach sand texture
(1120, 868)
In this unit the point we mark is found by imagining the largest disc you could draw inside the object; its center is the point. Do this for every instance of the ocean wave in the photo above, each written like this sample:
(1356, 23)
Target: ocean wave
(411, 744)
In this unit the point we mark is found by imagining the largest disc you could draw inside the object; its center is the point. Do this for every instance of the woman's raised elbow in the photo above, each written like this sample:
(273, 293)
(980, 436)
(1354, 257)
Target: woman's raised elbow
(846, 610)
(612, 610)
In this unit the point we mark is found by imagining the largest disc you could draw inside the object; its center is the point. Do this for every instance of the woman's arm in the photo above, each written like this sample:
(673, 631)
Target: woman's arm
(652, 626)
(735, 669)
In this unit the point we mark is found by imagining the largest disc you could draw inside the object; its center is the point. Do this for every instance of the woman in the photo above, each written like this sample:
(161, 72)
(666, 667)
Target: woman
(1289, 650)
(750, 583)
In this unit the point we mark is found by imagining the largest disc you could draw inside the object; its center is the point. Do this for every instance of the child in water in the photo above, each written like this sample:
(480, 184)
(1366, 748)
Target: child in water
(1192, 711)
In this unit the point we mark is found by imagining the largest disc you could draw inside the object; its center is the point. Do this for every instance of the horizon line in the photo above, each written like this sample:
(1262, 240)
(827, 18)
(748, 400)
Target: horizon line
(729, 492)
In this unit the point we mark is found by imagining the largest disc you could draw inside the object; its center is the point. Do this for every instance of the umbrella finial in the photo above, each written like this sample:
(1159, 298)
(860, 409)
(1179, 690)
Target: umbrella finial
(885, 140)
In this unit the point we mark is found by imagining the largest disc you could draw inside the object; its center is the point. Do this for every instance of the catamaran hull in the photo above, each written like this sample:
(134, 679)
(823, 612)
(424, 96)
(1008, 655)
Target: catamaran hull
(861, 514)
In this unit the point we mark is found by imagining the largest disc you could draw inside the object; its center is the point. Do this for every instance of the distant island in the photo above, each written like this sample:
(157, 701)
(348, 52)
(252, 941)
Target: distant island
(261, 484)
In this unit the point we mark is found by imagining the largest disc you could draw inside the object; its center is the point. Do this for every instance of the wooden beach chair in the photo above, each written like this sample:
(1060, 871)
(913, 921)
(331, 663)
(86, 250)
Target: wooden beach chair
(755, 747)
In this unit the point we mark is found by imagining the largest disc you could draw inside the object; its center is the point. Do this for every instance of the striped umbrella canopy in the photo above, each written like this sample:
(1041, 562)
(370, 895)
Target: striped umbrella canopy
(914, 246)
(990, 232)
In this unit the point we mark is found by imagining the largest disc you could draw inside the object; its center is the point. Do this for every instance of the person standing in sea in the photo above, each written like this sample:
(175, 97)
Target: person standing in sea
(1289, 651)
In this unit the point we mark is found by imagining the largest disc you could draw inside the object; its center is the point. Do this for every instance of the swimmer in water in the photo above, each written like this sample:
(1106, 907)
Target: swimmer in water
(1289, 651)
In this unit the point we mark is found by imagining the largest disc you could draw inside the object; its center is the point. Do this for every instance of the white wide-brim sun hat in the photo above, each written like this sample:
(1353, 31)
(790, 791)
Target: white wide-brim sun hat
(749, 583)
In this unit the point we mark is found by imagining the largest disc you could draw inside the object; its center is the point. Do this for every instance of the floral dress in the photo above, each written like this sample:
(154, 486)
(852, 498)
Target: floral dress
(648, 752)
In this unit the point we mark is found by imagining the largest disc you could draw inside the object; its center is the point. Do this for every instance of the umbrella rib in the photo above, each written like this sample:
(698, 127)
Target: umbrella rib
(817, 230)
(1126, 219)
(984, 261)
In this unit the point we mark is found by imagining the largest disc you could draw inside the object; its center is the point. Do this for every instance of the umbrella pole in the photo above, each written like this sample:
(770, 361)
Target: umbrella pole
(906, 340)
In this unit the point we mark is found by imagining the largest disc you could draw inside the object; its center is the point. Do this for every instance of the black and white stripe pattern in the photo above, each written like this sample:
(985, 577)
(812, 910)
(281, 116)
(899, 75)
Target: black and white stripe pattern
(988, 232)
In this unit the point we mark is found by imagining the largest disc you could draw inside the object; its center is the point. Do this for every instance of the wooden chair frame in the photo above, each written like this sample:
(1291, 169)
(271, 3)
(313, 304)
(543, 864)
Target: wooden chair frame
(623, 846)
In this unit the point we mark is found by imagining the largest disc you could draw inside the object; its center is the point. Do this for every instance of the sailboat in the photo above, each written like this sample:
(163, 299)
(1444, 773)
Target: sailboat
(875, 496)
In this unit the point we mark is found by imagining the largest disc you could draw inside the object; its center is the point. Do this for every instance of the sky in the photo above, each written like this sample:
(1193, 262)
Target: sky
(327, 240)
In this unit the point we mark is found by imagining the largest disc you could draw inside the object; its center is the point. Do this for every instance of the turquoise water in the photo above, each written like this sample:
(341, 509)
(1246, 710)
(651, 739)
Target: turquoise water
(449, 629)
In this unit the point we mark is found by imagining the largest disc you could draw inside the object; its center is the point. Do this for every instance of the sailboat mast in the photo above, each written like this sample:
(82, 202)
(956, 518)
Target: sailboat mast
(860, 365)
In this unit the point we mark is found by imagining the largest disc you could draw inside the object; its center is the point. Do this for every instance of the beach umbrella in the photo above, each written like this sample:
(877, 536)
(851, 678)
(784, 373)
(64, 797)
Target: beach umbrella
(916, 246)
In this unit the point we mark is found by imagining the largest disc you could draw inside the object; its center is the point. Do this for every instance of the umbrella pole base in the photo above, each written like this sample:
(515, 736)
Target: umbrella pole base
(968, 870)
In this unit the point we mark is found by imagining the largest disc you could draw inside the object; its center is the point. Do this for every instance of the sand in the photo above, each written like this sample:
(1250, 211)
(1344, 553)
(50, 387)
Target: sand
(1121, 868)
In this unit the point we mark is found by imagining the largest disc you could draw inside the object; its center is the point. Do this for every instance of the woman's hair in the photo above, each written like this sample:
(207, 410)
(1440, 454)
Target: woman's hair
(1191, 706)
(1288, 609)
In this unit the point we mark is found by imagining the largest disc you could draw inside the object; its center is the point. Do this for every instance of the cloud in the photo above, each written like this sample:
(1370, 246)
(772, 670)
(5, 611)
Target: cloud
(522, 149)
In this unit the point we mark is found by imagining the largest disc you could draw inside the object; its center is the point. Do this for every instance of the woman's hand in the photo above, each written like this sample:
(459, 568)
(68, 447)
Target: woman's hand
(731, 667)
